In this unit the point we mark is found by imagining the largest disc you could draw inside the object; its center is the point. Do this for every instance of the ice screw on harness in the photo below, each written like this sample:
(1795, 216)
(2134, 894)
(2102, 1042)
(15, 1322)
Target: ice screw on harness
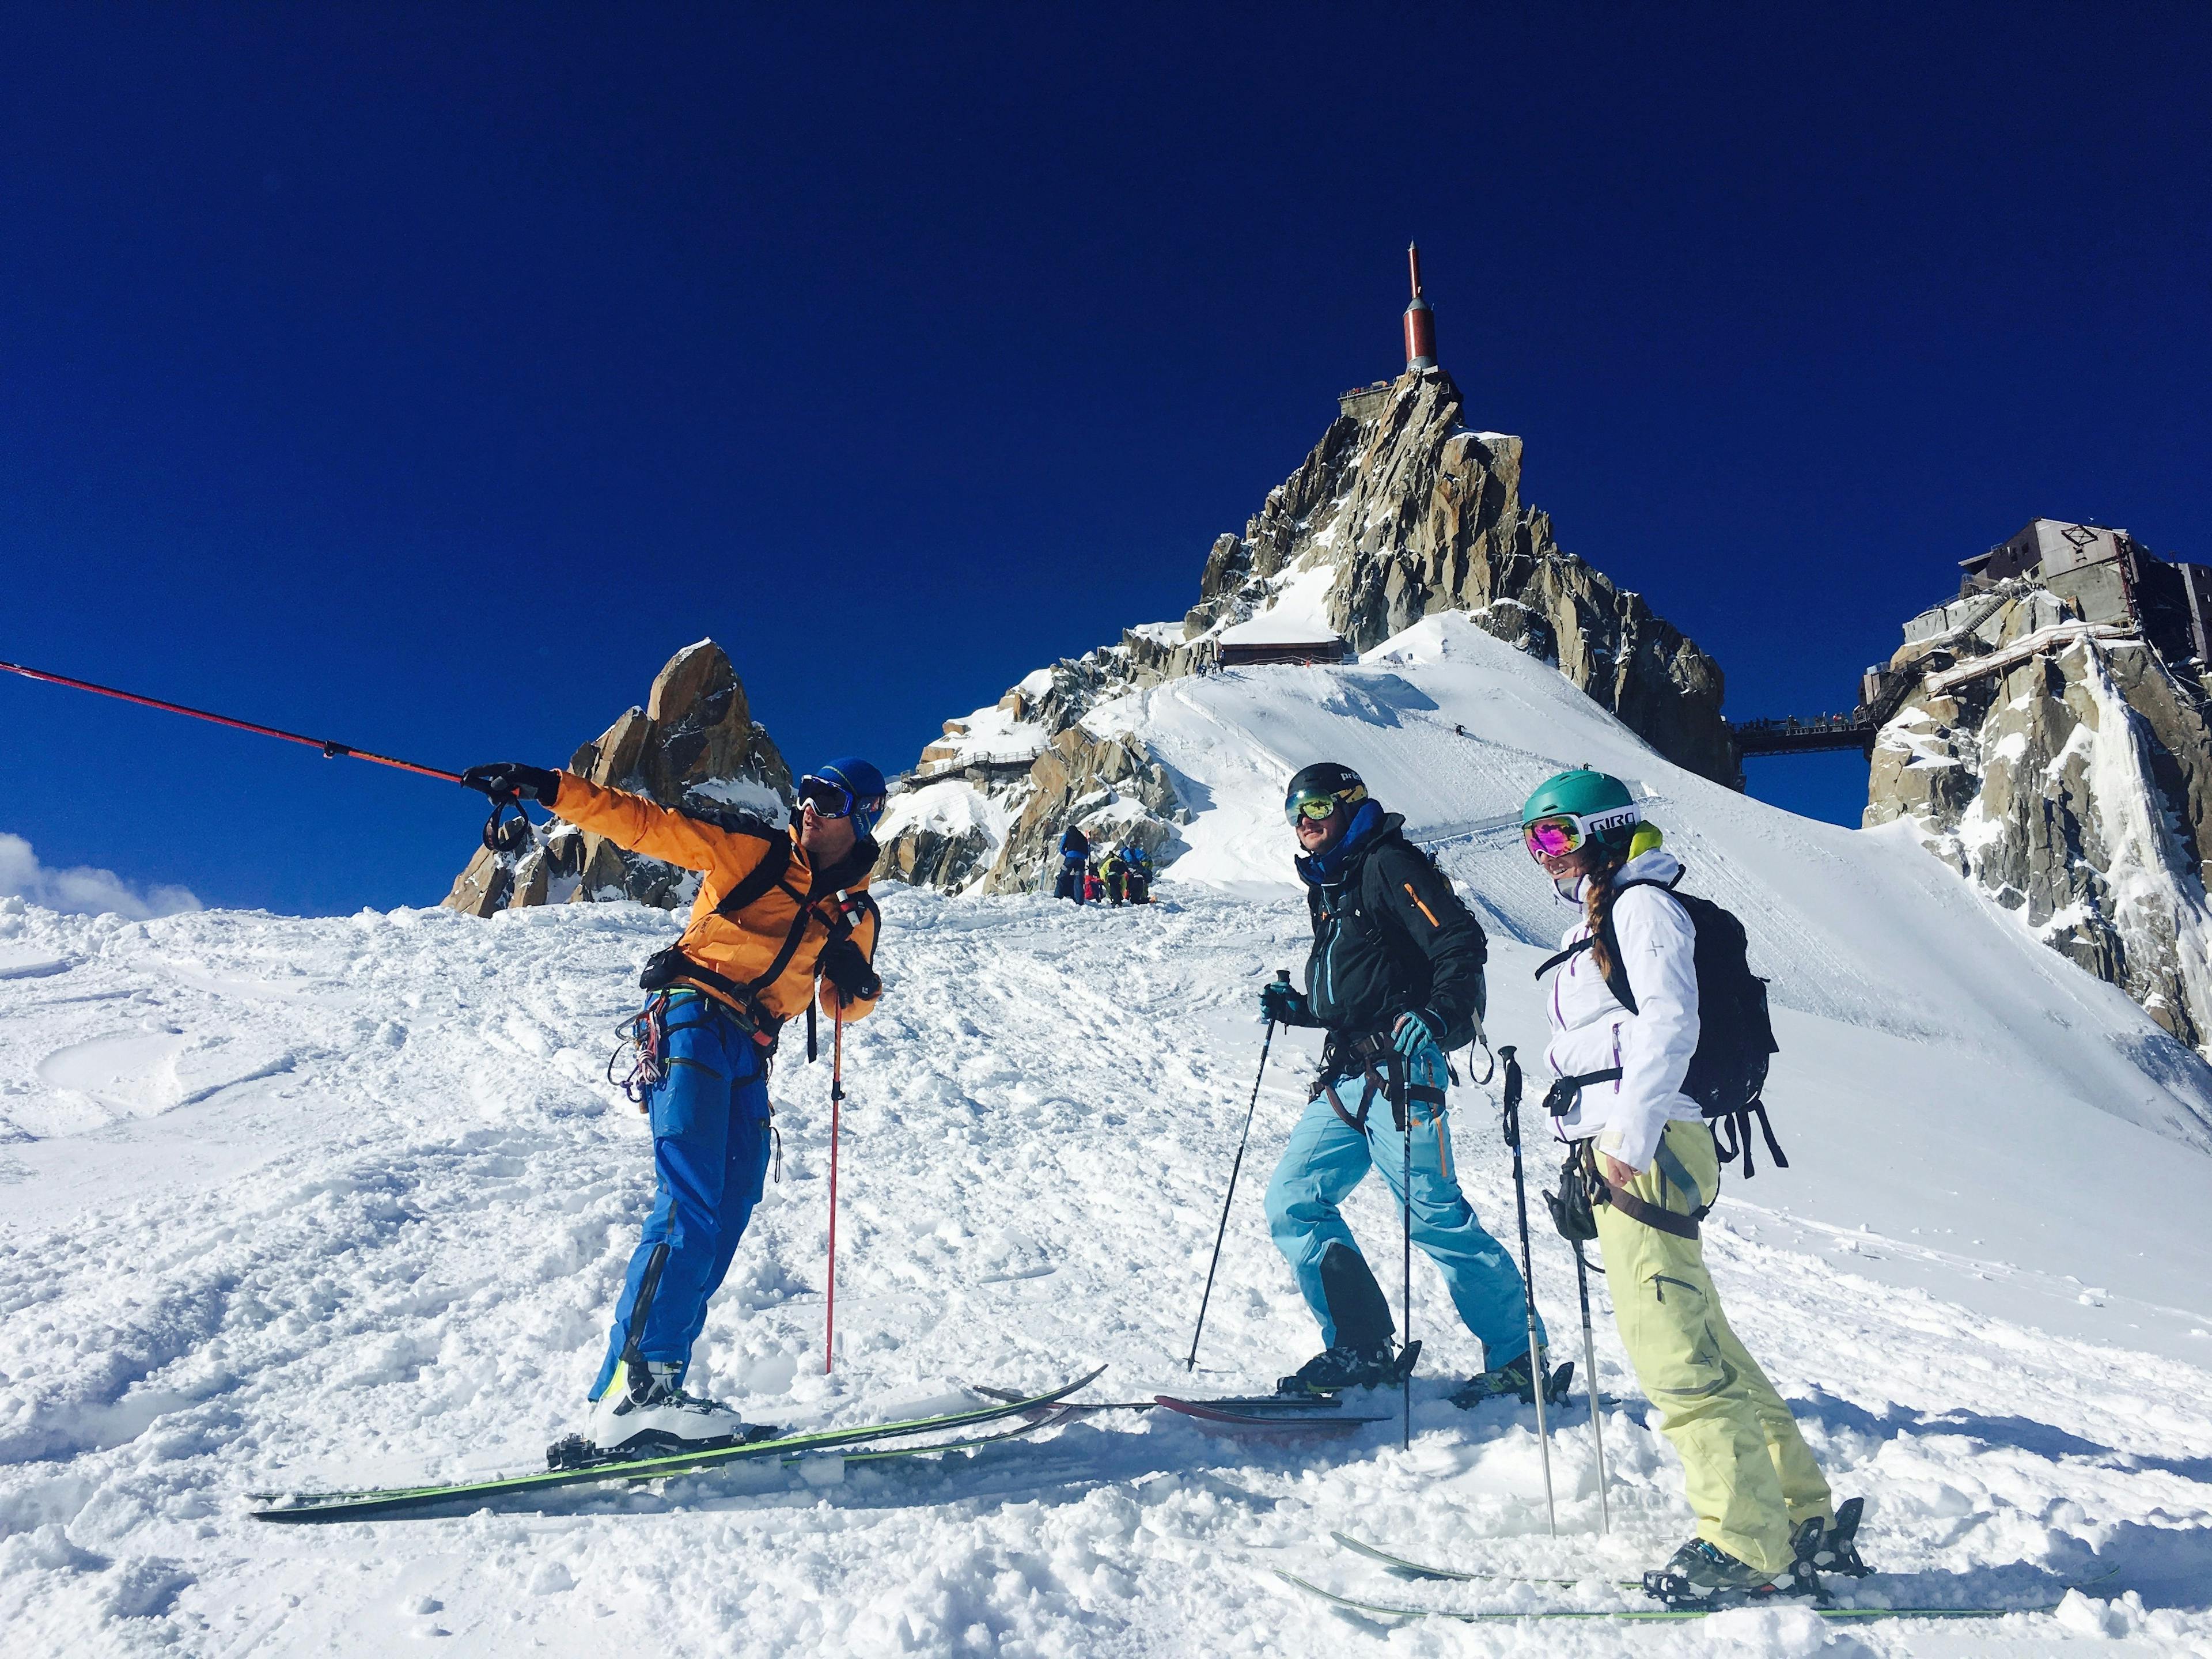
(645, 1035)
(1282, 977)
(504, 837)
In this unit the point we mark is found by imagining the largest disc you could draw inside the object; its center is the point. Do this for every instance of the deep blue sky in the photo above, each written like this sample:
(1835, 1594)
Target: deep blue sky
(423, 376)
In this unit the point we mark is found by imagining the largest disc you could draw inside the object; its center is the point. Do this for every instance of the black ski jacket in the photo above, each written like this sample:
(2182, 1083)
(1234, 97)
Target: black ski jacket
(1389, 934)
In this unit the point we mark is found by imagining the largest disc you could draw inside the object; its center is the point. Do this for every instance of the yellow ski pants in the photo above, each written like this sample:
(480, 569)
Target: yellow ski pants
(1751, 1477)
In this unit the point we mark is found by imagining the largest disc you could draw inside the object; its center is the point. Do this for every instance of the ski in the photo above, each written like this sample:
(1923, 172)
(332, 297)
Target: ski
(389, 1501)
(1409, 1569)
(1309, 1414)
(1404, 1568)
(1067, 1409)
(1645, 1615)
(1315, 1413)
(1036, 1420)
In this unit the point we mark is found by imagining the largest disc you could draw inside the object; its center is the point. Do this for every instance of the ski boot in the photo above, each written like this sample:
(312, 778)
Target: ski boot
(1836, 1549)
(1514, 1379)
(1334, 1369)
(1703, 1578)
(645, 1410)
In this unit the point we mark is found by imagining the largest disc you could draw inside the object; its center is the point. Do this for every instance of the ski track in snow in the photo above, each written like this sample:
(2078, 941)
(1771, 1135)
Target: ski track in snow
(333, 1202)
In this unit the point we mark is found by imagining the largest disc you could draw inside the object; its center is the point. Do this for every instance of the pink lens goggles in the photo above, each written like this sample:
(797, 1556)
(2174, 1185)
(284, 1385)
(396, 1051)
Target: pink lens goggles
(1551, 838)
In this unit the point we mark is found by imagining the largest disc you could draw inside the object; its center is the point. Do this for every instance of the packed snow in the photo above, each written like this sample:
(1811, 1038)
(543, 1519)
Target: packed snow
(1295, 614)
(307, 1203)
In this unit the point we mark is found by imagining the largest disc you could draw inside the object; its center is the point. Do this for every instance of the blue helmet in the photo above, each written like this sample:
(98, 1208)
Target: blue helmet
(846, 786)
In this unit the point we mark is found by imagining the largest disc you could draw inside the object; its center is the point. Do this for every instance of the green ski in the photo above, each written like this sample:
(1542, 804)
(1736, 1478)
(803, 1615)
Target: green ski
(1404, 1568)
(388, 1501)
(1644, 1615)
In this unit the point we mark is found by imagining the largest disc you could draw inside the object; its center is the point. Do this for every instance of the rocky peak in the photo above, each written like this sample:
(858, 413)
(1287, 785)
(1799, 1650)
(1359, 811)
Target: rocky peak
(1398, 512)
(695, 739)
(1414, 513)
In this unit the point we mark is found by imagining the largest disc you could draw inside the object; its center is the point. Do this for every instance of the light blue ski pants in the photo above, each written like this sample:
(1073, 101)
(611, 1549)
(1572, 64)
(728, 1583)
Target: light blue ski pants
(1326, 1158)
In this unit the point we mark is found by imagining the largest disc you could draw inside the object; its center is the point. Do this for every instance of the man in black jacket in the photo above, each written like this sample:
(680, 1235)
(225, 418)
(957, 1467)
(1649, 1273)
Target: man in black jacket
(1395, 978)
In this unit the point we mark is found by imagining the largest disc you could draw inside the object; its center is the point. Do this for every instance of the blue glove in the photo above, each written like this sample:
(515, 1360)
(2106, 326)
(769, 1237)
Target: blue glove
(1284, 1004)
(1415, 1034)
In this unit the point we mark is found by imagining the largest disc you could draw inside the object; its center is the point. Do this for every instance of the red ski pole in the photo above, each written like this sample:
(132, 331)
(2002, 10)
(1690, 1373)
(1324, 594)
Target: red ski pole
(836, 1097)
(331, 750)
(506, 837)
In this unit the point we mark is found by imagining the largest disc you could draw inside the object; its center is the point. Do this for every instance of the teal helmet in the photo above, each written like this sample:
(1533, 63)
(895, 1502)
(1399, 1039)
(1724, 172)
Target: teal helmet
(1569, 809)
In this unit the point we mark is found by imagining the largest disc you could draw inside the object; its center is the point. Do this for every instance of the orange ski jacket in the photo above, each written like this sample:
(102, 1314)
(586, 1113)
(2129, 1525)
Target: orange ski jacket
(802, 901)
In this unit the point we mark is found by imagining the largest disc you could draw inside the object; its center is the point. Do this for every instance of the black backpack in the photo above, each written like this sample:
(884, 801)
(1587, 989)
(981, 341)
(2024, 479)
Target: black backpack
(1736, 1036)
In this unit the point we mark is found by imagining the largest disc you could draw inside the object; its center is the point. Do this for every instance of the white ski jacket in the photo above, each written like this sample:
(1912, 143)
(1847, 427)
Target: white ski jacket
(1591, 1031)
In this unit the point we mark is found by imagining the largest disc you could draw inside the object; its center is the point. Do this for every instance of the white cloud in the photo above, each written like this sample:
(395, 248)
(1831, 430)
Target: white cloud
(83, 889)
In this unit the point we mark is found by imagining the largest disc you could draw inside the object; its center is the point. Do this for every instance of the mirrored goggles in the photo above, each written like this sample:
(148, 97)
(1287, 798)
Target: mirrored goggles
(1319, 806)
(834, 800)
(1552, 837)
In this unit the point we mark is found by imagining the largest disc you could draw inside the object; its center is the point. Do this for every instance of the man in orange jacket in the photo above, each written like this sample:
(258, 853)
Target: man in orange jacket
(777, 910)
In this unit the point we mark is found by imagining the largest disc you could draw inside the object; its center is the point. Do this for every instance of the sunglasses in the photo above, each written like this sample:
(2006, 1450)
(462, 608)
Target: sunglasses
(834, 800)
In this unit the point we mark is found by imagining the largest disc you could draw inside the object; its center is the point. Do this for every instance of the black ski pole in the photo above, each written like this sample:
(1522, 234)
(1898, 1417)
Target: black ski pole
(1537, 1378)
(1406, 1236)
(1282, 977)
(1590, 1374)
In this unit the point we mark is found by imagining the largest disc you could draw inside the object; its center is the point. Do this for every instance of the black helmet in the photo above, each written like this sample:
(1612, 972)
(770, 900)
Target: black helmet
(1324, 780)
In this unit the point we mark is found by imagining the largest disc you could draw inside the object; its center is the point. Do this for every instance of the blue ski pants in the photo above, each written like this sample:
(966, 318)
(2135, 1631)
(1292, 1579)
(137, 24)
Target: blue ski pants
(710, 1146)
(1326, 1158)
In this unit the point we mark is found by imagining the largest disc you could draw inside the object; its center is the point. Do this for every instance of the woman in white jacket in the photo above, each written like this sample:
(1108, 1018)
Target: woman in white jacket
(1750, 1478)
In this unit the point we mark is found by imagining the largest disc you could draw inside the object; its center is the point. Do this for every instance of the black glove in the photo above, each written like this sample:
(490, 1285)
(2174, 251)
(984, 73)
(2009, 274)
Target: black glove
(512, 781)
(845, 967)
(1284, 1004)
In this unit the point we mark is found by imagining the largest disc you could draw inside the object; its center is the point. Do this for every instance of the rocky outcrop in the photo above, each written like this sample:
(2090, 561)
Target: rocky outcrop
(994, 827)
(1392, 517)
(1416, 514)
(695, 739)
(2064, 768)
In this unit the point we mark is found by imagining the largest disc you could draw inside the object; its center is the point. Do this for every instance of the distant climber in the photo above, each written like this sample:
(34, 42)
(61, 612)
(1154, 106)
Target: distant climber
(1074, 862)
(778, 908)
(1137, 873)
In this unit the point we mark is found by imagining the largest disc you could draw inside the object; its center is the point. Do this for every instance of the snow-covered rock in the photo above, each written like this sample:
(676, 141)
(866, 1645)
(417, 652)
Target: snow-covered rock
(2064, 768)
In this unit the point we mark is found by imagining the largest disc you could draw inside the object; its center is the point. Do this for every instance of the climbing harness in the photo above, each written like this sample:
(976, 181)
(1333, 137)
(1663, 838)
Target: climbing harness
(1584, 1186)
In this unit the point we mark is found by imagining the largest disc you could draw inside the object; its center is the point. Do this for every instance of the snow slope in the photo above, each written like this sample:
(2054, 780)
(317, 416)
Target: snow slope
(307, 1202)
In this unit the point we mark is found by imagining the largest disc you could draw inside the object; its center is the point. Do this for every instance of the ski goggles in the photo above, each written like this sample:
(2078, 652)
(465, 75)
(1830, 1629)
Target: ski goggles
(831, 800)
(1318, 807)
(1561, 832)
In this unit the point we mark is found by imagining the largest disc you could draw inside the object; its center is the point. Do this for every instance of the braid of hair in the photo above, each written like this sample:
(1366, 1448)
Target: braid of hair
(1598, 911)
